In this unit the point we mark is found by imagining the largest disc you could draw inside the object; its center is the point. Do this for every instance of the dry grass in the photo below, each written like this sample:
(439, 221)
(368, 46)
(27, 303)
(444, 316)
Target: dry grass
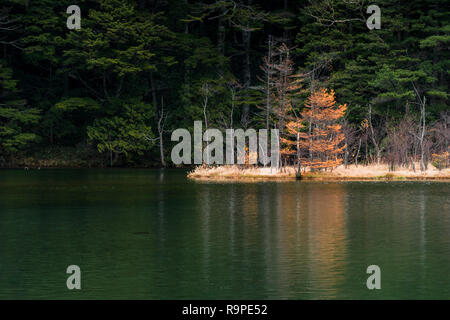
(236, 172)
(352, 172)
(382, 170)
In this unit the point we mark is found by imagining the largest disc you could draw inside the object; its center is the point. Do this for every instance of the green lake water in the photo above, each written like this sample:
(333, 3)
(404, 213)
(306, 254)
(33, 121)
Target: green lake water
(153, 234)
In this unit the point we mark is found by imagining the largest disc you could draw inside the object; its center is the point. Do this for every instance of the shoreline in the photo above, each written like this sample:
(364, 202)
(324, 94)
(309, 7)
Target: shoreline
(352, 173)
(257, 174)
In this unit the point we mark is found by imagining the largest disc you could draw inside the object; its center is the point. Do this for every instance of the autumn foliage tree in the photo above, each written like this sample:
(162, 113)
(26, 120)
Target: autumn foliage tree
(316, 138)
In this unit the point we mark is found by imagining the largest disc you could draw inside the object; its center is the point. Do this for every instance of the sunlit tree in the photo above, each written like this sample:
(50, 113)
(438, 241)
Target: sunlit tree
(316, 137)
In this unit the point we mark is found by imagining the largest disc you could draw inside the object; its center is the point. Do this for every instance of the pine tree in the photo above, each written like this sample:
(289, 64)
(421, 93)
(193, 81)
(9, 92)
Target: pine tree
(16, 119)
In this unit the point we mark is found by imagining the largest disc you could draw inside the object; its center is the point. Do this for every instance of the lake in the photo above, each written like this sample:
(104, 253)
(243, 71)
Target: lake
(153, 234)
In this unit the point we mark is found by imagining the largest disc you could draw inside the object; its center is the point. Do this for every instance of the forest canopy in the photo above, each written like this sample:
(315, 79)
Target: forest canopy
(110, 93)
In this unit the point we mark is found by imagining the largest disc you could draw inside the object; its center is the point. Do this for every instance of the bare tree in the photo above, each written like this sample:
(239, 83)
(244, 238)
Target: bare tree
(206, 92)
(161, 122)
(400, 149)
(284, 84)
(325, 11)
(349, 139)
(375, 136)
(421, 134)
(439, 148)
(7, 27)
(441, 133)
(268, 68)
(234, 87)
(162, 117)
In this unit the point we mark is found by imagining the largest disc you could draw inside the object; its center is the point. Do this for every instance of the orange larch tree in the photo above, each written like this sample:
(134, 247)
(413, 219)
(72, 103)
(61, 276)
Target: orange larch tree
(316, 138)
(292, 144)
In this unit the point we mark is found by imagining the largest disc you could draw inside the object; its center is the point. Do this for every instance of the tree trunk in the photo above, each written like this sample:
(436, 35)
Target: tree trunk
(268, 80)
(372, 135)
(161, 149)
(161, 132)
(346, 152)
(299, 173)
(357, 153)
(246, 37)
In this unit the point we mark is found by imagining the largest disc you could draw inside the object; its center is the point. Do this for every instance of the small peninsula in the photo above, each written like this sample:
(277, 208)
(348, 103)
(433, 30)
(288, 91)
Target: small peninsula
(341, 173)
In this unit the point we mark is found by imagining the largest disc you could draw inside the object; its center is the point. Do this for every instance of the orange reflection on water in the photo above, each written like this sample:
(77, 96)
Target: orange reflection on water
(326, 227)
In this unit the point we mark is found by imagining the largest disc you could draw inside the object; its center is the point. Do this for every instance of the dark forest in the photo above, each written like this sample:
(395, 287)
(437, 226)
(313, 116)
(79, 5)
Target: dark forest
(111, 93)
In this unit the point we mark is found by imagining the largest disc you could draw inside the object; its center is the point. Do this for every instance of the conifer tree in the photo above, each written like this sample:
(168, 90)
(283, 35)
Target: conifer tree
(322, 146)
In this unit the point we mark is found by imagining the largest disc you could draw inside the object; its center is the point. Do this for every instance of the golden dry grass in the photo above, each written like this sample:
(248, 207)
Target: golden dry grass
(352, 172)
(373, 171)
(236, 172)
